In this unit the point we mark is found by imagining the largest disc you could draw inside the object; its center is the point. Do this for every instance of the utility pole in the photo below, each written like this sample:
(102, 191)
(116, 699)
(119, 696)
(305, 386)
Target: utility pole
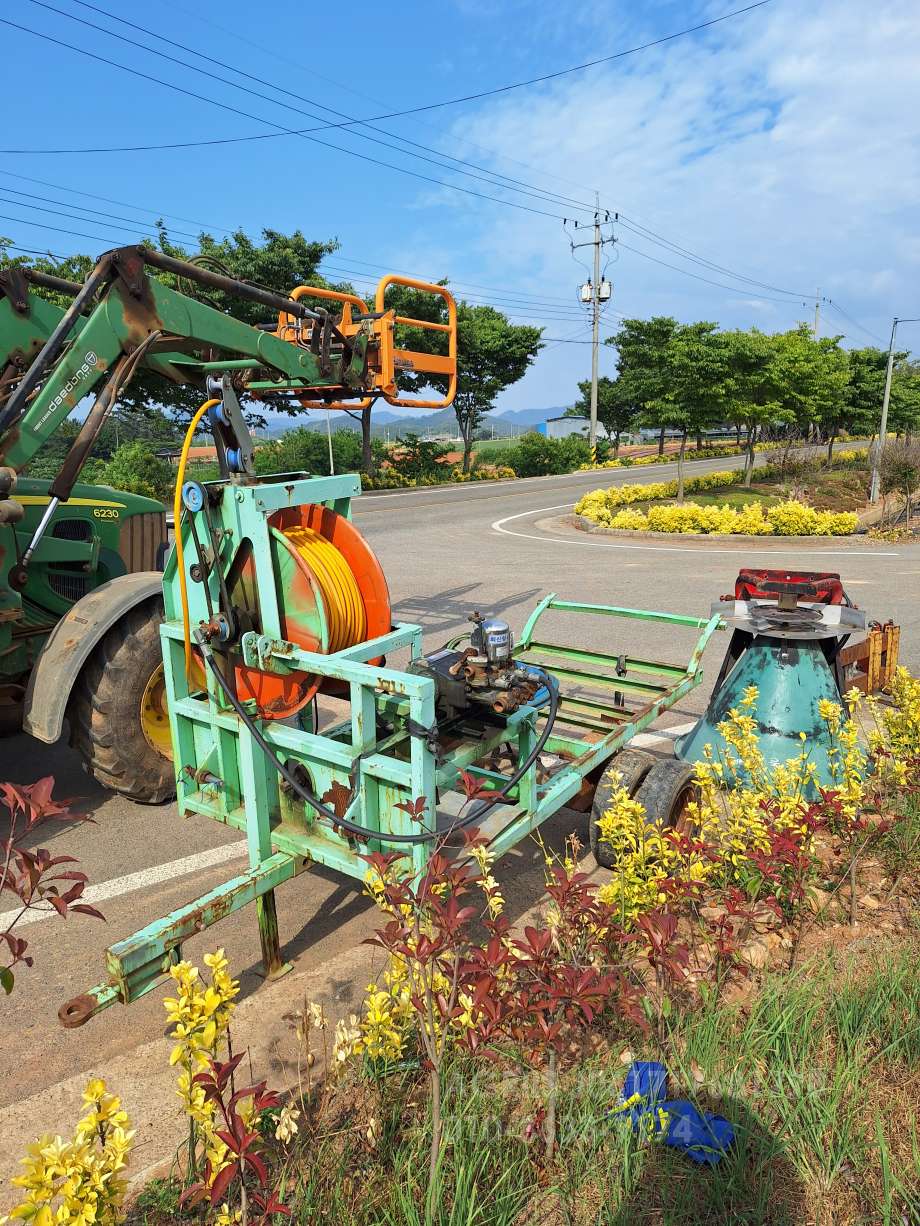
(817, 312)
(329, 441)
(886, 398)
(595, 293)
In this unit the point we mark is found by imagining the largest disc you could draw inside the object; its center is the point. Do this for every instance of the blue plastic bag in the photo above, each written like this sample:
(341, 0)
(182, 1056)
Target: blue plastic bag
(704, 1137)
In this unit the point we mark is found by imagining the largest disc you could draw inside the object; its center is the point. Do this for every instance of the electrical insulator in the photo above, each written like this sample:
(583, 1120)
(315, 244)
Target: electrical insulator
(604, 290)
(586, 292)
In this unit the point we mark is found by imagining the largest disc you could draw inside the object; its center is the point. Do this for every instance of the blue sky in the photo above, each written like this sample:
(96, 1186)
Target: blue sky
(781, 145)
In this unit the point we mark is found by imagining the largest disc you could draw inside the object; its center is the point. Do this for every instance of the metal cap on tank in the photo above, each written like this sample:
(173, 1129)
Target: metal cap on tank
(491, 638)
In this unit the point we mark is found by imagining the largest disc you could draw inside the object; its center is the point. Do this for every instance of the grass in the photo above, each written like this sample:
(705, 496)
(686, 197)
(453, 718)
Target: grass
(732, 496)
(819, 1073)
(490, 446)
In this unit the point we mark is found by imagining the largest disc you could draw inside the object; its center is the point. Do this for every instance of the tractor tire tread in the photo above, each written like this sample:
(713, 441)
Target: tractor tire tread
(104, 710)
(663, 789)
(626, 770)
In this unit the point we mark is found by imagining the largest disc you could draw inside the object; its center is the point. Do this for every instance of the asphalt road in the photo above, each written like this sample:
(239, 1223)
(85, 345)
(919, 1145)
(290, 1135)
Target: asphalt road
(496, 547)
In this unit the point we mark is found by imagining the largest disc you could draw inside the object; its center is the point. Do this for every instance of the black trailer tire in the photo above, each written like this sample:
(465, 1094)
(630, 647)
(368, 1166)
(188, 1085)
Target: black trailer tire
(666, 791)
(626, 770)
(105, 710)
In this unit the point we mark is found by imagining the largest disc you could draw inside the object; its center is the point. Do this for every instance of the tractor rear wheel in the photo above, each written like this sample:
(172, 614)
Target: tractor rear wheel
(117, 712)
(627, 770)
(666, 793)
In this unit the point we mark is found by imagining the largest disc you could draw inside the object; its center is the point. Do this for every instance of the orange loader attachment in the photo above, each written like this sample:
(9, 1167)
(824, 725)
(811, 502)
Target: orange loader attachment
(384, 358)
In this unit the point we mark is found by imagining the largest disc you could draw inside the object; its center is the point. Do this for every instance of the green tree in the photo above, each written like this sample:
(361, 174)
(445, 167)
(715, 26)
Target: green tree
(535, 455)
(304, 450)
(679, 375)
(827, 389)
(137, 469)
(866, 389)
(904, 410)
(616, 411)
(642, 373)
(492, 354)
(753, 399)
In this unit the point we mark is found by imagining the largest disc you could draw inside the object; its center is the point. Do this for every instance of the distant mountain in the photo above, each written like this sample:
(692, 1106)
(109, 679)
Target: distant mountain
(440, 421)
(527, 417)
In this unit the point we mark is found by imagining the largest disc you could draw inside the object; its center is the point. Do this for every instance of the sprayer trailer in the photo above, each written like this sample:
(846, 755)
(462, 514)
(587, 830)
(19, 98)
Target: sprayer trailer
(292, 604)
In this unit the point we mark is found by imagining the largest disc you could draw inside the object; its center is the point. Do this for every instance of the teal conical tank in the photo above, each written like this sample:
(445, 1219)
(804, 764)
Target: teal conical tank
(788, 651)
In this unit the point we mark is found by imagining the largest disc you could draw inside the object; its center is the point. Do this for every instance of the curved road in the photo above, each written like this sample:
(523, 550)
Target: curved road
(498, 547)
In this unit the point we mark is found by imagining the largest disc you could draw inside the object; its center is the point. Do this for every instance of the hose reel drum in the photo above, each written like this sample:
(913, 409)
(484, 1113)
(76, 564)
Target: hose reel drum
(331, 594)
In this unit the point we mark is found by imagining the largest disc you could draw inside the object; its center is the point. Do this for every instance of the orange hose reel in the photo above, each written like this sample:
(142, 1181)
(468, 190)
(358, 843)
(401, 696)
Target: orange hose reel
(332, 594)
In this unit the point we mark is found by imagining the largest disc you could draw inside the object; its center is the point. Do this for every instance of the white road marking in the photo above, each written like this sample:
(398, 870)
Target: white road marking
(232, 851)
(139, 881)
(646, 740)
(497, 525)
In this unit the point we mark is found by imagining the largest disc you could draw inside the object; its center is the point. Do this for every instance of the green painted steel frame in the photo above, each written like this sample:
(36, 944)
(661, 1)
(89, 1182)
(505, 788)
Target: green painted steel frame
(120, 321)
(223, 774)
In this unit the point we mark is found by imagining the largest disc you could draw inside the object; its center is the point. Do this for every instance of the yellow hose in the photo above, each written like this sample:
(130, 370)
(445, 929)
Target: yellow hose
(177, 515)
(344, 607)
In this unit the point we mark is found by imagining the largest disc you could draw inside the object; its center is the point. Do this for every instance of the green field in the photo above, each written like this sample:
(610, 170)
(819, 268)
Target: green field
(492, 446)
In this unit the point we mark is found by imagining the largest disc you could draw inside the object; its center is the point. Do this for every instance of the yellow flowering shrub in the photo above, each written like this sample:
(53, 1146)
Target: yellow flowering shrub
(645, 857)
(741, 799)
(80, 1181)
(200, 1015)
(628, 518)
(900, 723)
(784, 519)
(384, 1028)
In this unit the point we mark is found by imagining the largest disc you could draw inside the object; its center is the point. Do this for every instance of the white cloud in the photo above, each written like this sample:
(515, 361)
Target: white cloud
(785, 144)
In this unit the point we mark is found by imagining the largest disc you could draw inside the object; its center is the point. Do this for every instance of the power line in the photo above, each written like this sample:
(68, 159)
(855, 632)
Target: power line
(276, 54)
(542, 299)
(509, 301)
(644, 231)
(508, 296)
(735, 289)
(470, 284)
(660, 241)
(553, 313)
(76, 191)
(82, 208)
(517, 183)
(513, 204)
(24, 221)
(57, 213)
(504, 296)
(511, 185)
(846, 315)
(417, 110)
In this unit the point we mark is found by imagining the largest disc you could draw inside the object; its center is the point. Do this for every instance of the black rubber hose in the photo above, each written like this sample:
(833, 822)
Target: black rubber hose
(364, 832)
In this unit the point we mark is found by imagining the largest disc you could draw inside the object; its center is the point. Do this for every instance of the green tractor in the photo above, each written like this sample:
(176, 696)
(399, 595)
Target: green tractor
(80, 588)
(79, 622)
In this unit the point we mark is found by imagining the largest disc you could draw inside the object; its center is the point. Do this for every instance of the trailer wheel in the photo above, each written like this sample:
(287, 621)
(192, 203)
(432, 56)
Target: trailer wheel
(626, 770)
(666, 792)
(117, 710)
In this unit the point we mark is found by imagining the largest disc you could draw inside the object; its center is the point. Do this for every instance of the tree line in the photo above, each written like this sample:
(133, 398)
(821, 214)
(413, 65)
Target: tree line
(670, 376)
(690, 377)
(493, 353)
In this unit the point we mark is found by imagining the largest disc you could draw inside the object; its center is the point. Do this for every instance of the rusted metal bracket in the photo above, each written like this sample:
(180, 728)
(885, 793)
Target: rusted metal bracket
(136, 965)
